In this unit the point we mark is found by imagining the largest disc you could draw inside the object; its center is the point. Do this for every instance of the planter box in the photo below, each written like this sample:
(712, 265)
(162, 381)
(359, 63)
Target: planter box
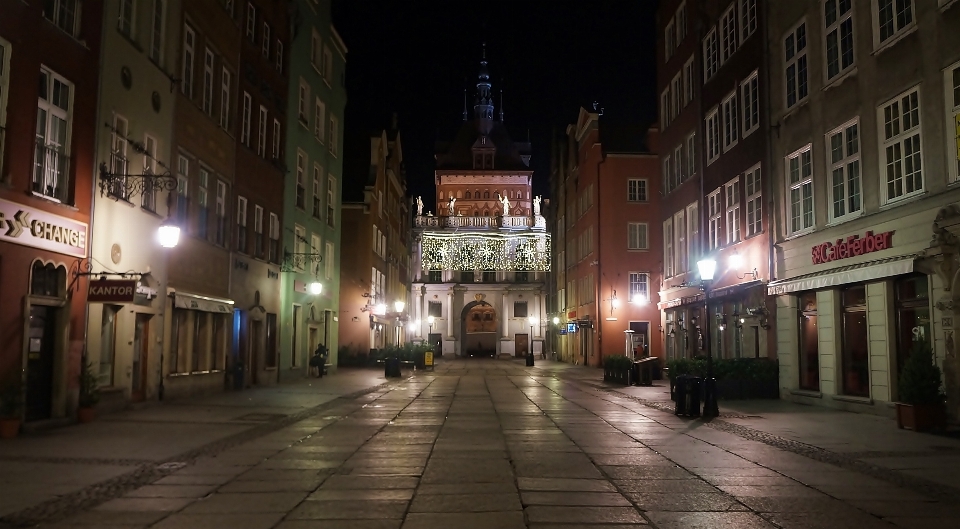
(921, 418)
(617, 376)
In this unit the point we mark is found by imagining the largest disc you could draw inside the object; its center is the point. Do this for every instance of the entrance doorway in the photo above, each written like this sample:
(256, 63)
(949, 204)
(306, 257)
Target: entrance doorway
(253, 351)
(478, 327)
(437, 343)
(141, 344)
(523, 344)
(40, 360)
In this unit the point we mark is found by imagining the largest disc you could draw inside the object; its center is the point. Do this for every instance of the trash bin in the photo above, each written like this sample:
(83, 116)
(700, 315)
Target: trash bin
(644, 371)
(391, 367)
(680, 394)
(694, 390)
(529, 359)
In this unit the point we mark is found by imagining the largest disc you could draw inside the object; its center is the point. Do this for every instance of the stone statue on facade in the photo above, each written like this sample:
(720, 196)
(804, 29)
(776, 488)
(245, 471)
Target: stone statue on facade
(450, 205)
(505, 202)
(536, 205)
(419, 206)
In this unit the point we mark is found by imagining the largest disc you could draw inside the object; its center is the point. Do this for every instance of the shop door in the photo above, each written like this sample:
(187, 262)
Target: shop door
(437, 343)
(522, 343)
(40, 351)
(141, 344)
(254, 351)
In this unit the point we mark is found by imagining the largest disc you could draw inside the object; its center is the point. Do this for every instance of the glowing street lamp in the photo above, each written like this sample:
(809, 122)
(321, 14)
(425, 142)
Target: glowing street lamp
(168, 235)
(556, 320)
(707, 268)
(398, 306)
(316, 288)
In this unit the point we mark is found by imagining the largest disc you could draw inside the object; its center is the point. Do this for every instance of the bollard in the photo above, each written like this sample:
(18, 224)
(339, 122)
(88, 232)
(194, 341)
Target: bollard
(680, 394)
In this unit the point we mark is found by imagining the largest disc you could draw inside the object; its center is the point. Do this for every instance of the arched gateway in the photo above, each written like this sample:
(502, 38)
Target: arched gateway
(478, 329)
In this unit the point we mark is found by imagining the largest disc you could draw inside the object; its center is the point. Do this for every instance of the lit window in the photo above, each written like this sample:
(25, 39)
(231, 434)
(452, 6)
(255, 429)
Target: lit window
(900, 138)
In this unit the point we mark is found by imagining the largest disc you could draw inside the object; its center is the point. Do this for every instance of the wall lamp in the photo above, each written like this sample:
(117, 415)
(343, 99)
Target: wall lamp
(736, 262)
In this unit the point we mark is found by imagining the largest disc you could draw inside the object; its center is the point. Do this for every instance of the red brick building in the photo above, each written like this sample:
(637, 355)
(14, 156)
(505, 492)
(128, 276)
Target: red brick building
(47, 141)
(713, 156)
(607, 250)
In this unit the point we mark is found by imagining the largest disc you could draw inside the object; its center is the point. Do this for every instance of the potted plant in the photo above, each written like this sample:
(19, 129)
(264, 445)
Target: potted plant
(921, 402)
(10, 409)
(616, 368)
(89, 392)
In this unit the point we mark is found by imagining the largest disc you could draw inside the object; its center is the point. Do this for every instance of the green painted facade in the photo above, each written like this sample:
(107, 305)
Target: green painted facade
(314, 159)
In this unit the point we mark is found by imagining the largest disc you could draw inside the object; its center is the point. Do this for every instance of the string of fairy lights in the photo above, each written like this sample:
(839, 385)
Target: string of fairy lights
(485, 251)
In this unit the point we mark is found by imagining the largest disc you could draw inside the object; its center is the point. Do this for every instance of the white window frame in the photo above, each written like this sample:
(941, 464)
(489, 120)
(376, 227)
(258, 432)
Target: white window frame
(303, 98)
(328, 260)
(327, 65)
(275, 154)
(207, 101)
(691, 152)
(753, 189)
(677, 95)
(262, 132)
(251, 22)
(730, 121)
(681, 18)
(186, 66)
(678, 174)
(731, 193)
(804, 182)
(334, 134)
(714, 226)
(750, 103)
(331, 200)
(245, 126)
(226, 80)
(54, 169)
(241, 211)
(711, 54)
(127, 18)
(688, 81)
(316, 51)
(899, 30)
(668, 254)
(693, 235)
(835, 28)
(680, 242)
(637, 190)
(157, 30)
(667, 170)
(669, 41)
(748, 18)
(639, 285)
(951, 87)
(320, 120)
(257, 221)
(65, 14)
(265, 40)
(665, 108)
(728, 33)
(638, 236)
(279, 55)
(848, 166)
(898, 140)
(797, 62)
(712, 127)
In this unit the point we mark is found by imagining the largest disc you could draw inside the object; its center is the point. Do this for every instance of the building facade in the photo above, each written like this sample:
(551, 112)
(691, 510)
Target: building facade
(713, 152)
(375, 283)
(200, 322)
(49, 70)
(131, 200)
(480, 264)
(316, 98)
(865, 157)
(608, 255)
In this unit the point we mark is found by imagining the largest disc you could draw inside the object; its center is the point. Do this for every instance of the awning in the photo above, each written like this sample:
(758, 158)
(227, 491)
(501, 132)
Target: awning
(204, 303)
(891, 266)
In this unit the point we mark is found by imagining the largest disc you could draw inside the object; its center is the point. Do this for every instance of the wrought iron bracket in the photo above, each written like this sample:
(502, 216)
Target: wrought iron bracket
(296, 262)
(84, 268)
(129, 185)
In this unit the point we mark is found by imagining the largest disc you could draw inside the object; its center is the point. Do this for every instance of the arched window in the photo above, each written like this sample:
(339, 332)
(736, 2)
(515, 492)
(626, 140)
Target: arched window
(477, 193)
(476, 213)
(441, 195)
(486, 194)
(458, 194)
(48, 280)
(468, 195)
(486, 213)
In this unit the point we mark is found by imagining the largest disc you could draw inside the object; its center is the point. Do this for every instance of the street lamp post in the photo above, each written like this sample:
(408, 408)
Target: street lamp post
(398, 307)
(533, 321)
(707, 268)
(430, 323)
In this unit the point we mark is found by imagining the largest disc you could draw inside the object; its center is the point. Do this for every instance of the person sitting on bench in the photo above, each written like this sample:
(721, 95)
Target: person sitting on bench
(319, 360)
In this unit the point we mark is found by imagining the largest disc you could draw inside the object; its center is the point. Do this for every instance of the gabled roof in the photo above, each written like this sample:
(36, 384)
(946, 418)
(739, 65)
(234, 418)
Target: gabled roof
(458, 154)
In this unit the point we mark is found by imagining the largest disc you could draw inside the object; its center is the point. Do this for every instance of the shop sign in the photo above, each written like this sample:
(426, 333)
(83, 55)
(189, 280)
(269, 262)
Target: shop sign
(111, 291)
(572, 315)
(851, 247)
(20, 224)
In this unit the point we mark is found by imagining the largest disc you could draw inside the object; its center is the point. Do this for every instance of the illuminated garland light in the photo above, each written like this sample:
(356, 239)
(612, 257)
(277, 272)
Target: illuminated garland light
(475, 251)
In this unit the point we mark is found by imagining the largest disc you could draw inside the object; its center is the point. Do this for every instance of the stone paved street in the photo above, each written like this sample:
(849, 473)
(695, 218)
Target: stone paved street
(488, 444)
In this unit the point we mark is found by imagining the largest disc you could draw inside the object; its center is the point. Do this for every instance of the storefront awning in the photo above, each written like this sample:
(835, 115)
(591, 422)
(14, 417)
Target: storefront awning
(891, 266)
(204, 303)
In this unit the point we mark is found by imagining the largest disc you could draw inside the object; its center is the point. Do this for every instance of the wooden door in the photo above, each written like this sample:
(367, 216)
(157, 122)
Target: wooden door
(522, 343)
(141, 344)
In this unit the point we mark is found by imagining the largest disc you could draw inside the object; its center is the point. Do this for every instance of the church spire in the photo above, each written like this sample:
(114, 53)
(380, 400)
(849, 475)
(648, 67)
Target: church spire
(483, 105)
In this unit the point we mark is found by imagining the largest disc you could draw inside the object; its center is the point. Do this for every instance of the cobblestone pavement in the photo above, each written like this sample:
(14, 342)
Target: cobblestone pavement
(492, 444)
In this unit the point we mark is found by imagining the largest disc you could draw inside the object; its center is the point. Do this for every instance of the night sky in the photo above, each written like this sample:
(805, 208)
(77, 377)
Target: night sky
(550, 57)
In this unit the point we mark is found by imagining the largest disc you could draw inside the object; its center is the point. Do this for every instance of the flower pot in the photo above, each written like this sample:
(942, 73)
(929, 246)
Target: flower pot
(9, 427)
(920, 418)
(85, 415)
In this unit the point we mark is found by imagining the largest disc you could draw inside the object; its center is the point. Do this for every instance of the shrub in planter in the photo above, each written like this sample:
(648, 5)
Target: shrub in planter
(921, 405)
(616, 368)
(89, 392)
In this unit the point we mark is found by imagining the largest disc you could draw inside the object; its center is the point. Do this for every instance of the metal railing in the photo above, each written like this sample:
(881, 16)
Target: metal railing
(51, 171)
(426, 221)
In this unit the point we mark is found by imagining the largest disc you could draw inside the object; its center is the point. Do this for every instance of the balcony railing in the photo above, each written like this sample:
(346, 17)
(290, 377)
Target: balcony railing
(118, 166)
(425, 221)
(51, 169)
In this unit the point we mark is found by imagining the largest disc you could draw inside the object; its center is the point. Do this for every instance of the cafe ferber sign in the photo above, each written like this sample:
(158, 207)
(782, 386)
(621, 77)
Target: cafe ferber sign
(852, 246)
